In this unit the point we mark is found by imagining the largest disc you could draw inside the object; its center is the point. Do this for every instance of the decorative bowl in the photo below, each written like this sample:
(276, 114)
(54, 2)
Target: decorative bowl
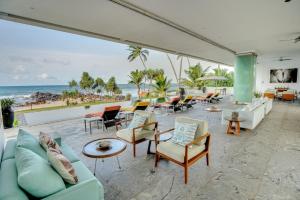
(103, 145)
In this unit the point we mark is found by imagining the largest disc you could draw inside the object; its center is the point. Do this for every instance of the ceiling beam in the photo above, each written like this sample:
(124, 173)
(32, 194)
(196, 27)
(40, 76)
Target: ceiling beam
(169, 23)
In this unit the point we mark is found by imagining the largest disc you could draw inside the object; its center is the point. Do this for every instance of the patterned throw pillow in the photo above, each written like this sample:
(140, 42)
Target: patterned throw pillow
(46, 142)
(62, 165)
(184, 133)
(138, 120)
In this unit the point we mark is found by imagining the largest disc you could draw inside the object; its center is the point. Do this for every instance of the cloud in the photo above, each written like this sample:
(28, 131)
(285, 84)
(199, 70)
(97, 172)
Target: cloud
(19, 68)
(16, 77)
(45, 76)
(21, 59)
(56, 61)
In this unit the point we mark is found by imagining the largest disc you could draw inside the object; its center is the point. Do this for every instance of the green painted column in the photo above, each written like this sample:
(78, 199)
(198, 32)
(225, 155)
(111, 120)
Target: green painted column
(244, 77)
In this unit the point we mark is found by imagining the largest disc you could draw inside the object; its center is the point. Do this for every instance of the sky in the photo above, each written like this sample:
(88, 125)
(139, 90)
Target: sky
(32, 55)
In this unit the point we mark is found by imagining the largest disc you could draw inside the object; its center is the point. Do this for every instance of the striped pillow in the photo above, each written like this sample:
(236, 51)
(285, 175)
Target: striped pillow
(62, 165)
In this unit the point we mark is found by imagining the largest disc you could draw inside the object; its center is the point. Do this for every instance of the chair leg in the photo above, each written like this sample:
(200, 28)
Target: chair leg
(157, 158)
(207, 159)
(186, 173)
(133, 149)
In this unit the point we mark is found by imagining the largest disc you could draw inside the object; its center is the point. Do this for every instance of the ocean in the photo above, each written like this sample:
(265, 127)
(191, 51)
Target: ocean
(22, 94)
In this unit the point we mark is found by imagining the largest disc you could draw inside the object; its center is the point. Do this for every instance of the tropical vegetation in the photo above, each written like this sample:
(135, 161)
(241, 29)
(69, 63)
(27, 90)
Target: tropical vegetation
(136, 78)
(162, 85)
(194, 75)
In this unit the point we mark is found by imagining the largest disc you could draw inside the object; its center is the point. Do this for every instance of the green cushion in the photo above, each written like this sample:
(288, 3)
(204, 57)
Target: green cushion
(35, 175)
(9, 151)
(69, 153)
(28, 141)
(9, 189)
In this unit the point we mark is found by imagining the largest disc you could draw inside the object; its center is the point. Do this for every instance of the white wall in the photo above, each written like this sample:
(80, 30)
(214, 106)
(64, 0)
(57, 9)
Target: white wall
(263, 77)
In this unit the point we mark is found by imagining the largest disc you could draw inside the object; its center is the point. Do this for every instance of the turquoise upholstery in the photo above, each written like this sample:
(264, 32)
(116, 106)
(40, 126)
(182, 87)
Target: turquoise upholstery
(69, 153)
(28, 141)
(86, 182)
(35, 174)
(88, 187)
(9, 189)
(10, 148)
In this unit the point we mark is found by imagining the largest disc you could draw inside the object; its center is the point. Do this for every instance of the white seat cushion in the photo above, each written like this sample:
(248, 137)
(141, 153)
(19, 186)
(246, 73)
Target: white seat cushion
(126, 134)
(177, 152)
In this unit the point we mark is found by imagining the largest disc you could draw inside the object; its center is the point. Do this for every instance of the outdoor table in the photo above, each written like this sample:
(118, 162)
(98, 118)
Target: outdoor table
(90, 120)
(91, 150)
(234, 129)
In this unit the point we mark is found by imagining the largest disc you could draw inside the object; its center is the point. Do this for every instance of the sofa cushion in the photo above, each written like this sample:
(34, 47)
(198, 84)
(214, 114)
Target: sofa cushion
(9, 151)
(28, 141)
(177, 152)
(82, 172)
(35, 175)
(184, 133)
(69, 153)
(2, 142)
(62, 165)
(127, 134)
(9, 189)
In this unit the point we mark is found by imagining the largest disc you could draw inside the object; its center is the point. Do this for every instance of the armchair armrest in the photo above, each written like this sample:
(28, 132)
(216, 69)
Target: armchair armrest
(158, 133)
(195, 141)
(143, 126)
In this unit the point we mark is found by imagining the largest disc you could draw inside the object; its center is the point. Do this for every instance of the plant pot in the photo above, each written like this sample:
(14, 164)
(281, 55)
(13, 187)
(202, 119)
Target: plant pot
(8, 118)
(204, 89)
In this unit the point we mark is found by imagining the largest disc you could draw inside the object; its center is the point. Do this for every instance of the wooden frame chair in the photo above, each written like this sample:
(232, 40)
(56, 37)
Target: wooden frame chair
(135, 136)
(187, 155)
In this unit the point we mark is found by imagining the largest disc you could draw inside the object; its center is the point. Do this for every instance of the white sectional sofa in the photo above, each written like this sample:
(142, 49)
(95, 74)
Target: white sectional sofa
(252, 113)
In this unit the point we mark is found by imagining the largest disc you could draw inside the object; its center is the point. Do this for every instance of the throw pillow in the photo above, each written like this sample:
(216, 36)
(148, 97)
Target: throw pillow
(35, 175)
(62, 165)
(46, 142)
(138, 120)
(184, 133)
(28, 141)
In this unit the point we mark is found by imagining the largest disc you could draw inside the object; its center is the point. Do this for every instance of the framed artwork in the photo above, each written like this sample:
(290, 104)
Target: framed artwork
(284, 75)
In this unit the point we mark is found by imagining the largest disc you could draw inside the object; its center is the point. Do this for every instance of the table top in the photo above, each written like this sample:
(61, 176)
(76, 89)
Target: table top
(210, 109)
(234, 120)
(90, 149)
(163, 137)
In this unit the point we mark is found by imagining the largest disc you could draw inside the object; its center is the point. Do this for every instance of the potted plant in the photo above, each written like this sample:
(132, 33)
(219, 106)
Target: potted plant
(7, 112)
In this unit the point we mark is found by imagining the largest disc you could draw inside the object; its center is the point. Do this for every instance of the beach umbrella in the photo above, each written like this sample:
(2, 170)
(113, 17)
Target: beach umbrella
(213, 78)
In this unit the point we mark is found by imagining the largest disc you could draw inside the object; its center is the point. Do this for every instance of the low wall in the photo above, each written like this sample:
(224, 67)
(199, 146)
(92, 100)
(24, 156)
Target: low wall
(43, 117)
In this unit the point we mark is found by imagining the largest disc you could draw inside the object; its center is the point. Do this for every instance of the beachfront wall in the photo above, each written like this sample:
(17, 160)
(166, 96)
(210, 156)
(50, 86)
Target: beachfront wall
(244, 77)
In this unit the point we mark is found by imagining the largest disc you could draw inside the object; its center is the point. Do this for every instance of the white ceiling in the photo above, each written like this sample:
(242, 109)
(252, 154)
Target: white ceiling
(238, 25)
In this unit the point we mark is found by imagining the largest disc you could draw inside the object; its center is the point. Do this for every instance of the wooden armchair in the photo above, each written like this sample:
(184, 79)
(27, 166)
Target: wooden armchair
(138, 134)
(187, 155)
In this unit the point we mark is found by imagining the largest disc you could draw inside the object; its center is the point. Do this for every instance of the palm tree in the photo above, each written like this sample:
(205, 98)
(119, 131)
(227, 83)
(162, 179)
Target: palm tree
(194, 73)
(223, 72)
(99, 85)
(138, 52)
(162, 85)
(73, 84)
(173, 68)
(136, 78)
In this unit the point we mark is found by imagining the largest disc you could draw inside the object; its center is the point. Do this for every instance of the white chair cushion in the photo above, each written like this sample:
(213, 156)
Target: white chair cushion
(126, 134)
(150, 118)
(177, 152)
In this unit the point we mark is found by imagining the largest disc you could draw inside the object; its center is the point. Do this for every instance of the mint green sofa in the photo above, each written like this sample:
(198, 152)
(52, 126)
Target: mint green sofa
(88, 187)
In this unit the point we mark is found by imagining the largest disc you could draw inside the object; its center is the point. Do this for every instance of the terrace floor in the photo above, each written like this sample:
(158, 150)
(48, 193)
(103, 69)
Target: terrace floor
(261, 164)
